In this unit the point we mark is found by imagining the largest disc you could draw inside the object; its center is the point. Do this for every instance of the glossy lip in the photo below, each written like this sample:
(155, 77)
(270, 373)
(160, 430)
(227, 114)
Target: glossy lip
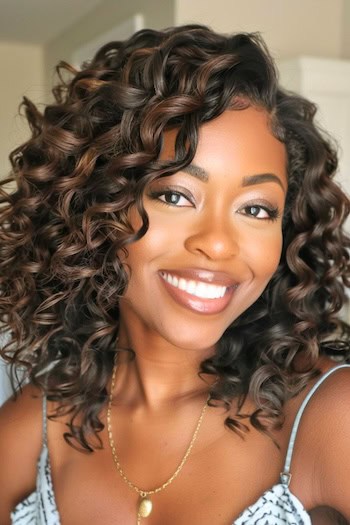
(198, 304)
(206, 276)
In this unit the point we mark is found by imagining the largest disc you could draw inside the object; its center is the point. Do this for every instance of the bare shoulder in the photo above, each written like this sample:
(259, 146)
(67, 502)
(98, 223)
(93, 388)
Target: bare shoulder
(20, 445)
(331, 402)
(329, 418)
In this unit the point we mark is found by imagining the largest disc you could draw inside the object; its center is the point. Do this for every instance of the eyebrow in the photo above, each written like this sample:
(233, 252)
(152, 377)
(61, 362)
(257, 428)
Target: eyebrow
(196, 171)
(249, 180)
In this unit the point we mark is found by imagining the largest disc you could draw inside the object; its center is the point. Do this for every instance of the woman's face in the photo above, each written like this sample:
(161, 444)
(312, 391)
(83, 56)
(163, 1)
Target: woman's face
(214, 238)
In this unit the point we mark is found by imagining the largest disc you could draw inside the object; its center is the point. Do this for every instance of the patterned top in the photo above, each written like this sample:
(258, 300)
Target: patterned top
(40, 507)
(277, 506)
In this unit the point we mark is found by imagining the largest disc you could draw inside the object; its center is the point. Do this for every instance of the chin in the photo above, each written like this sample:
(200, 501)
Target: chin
(196, 341)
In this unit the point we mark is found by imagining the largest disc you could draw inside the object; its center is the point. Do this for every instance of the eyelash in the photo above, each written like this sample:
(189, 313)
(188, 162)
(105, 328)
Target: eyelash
(155, 195)
(273, 212)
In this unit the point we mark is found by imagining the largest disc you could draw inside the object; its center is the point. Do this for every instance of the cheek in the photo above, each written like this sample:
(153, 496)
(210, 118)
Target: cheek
(164, 237)
(142, 253)
(264, 254)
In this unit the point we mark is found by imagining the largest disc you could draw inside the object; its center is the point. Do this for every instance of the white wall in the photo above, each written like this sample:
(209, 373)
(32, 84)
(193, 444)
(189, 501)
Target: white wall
(157, 14)
(22, 73)
(290, 27)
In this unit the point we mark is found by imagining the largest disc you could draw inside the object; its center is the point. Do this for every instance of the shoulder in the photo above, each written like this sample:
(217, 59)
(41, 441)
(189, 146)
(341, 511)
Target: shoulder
(331, 402)
(20, 445)
(327, 423)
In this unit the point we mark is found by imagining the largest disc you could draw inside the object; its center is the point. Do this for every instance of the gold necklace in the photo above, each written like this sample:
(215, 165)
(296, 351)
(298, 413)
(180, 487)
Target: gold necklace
(145, 504)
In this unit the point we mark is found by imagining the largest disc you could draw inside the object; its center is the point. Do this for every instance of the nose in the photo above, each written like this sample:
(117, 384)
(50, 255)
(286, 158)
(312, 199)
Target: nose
(214, 239)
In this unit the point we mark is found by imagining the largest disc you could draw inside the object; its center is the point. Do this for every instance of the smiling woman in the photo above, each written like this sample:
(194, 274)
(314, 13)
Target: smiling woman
(201, 220)
(173, 264)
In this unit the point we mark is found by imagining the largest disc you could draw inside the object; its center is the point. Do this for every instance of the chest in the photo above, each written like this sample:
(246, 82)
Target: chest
(215, 485)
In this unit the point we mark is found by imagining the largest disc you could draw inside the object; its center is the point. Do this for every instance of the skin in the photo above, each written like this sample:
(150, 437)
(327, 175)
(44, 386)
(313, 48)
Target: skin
(158, 396)
(211, 229)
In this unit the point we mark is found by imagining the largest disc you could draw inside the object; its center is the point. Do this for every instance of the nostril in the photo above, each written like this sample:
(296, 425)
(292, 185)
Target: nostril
(213, 245)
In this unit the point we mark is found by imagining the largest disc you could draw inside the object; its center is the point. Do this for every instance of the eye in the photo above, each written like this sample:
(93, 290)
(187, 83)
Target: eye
(174, 198)
(260, 212)
(171, 197)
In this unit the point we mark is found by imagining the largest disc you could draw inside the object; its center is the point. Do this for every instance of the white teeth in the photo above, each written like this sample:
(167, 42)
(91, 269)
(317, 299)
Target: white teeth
(182, 283)
(197, 288)
(191, 287)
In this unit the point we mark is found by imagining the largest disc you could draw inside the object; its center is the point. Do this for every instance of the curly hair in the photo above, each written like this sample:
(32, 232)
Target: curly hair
(90, 156)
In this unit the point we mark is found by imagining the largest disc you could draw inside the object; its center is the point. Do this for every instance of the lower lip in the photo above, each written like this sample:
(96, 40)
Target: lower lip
(198, 304)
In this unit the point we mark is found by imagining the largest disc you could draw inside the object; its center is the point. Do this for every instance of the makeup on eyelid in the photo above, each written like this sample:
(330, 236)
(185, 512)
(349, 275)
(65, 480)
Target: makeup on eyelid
(215, 233)
(184, 199)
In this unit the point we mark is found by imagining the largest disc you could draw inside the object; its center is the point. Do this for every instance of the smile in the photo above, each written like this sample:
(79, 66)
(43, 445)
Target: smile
(196, 288)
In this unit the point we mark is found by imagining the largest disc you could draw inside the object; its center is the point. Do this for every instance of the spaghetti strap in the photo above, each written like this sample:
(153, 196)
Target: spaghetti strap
(286, 474)
(44, 421)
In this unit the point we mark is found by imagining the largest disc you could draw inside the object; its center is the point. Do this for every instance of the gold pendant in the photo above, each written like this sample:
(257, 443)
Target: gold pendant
(145, 507)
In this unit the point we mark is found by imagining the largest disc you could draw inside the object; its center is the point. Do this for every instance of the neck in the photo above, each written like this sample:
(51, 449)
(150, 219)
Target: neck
(160, 373)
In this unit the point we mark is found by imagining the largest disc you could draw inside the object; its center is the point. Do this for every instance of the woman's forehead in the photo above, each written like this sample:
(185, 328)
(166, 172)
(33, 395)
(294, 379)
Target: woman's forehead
(237, 139)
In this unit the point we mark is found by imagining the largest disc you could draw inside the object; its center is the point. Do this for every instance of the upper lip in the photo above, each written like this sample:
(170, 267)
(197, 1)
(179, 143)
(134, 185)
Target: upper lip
(206, 276)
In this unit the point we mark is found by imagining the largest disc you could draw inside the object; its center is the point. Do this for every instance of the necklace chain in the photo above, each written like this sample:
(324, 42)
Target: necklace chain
(145, 506)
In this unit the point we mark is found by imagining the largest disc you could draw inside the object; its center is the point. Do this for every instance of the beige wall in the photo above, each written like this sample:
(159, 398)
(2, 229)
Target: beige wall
(157, 14)
(22, 73)
(290, 27)
(28, 70)
(346, 30)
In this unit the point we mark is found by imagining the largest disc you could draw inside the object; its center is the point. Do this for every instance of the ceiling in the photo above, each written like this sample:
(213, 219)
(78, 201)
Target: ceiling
(38, 21)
